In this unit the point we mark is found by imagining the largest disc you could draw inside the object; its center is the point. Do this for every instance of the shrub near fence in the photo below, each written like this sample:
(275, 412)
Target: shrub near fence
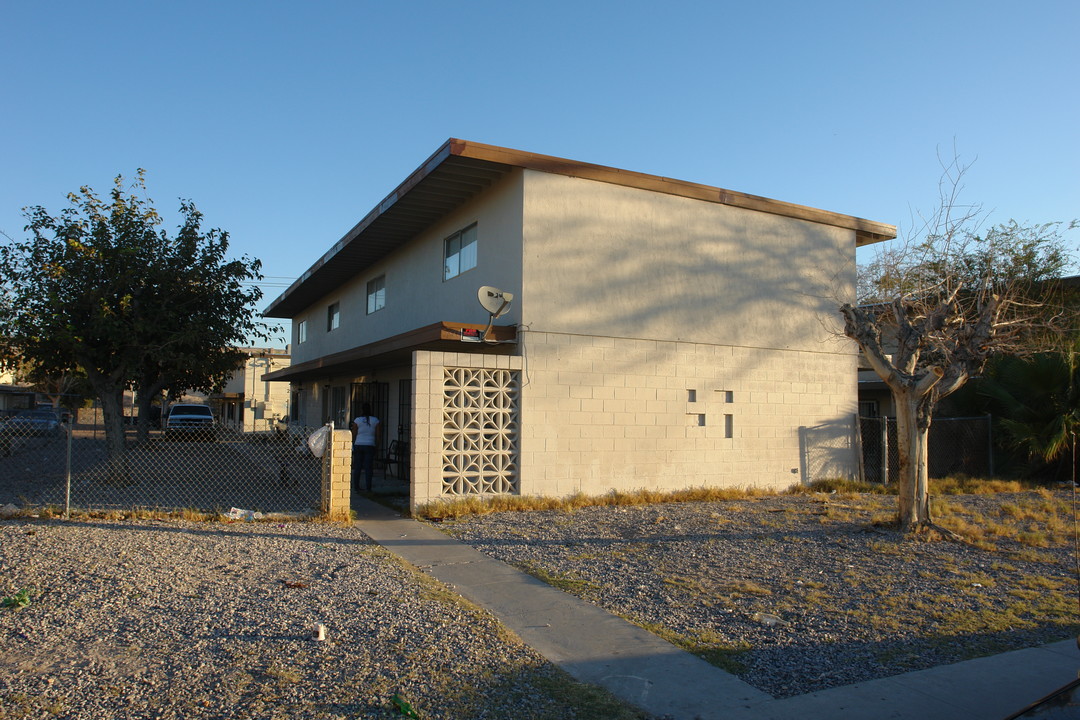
(266, 472)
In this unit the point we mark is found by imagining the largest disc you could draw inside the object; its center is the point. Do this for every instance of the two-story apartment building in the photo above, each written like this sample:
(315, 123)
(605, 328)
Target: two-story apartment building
(663, 334)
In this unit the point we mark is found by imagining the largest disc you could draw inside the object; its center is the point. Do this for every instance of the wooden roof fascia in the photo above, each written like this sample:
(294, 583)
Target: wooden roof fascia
(867, 230)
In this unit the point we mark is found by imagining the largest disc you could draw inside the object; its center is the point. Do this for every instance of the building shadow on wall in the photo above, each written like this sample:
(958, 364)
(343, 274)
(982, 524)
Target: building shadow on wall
(826, 451)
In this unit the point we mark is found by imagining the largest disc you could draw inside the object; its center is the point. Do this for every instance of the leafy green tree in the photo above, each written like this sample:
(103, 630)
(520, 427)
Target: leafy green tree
(937, 306)
(1038, 403)
(208, 298)
(101, 288)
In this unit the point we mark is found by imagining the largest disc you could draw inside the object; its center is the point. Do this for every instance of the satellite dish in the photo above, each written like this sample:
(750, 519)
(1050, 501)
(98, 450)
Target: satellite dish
(494, 300)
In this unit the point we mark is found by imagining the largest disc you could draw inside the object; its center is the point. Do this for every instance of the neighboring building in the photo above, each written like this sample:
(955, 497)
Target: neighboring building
(15, 398)
(663, 334)
(875, 397)
(247, 402)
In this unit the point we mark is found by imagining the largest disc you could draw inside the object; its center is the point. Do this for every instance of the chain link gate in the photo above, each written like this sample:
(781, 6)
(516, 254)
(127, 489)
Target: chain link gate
(955, 446)
(46, 460)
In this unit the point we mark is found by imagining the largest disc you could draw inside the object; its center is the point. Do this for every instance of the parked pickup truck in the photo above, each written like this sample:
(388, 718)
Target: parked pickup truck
(190, 420)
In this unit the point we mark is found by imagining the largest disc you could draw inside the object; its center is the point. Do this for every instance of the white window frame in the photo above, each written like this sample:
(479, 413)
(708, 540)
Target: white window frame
(301, 332)
(459, 257)
(333, 316)
(376, 294)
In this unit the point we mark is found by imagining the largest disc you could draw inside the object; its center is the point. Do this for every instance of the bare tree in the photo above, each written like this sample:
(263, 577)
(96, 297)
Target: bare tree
(934, 309)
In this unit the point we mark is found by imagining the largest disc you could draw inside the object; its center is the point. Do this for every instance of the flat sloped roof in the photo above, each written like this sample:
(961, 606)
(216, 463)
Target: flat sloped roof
(460, 169)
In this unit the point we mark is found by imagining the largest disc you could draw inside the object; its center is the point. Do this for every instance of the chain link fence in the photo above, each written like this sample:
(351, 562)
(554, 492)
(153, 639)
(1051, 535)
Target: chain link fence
(47, 459)
(955, 446)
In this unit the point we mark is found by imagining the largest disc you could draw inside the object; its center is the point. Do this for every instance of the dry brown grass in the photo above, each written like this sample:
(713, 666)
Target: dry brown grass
(1037, 518)
(53, 512)
(452, 509)
(965, 485)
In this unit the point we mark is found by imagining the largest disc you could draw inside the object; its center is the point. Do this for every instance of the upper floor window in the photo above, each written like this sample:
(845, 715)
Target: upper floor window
(301, 332)
(333, 317)
(459, 252)
(376, 294)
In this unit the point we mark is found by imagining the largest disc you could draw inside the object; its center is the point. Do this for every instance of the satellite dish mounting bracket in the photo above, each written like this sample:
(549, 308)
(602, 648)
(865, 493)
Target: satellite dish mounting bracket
(496, 302)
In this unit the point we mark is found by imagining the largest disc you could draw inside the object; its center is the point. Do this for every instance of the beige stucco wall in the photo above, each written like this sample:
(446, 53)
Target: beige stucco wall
(607, 260)
(416, 294)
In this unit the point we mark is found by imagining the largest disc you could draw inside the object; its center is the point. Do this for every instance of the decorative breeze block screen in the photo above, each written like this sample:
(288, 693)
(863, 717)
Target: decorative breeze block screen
(480, 431)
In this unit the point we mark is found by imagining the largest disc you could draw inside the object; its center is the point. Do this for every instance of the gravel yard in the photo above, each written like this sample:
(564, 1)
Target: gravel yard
(176, 619)
(180, 619)
(796, 594)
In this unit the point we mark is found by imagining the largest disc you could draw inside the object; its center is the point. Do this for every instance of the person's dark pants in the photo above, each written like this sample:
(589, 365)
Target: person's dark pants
(363, 459)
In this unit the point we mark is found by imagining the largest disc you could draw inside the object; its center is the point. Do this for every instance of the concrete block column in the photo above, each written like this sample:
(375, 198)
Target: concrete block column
(337, 476)
(429, 454)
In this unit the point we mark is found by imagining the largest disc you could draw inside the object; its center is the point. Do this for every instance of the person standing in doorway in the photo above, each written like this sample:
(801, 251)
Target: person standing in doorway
(366, 433)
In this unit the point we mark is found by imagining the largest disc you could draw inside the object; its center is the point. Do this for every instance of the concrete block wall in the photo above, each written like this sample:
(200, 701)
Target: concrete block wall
(600, 414)
(426, 469)
(337, 475)
(612, 413)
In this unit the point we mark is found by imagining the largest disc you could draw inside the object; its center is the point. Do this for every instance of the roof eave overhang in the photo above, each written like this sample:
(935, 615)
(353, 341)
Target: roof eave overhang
(460, 169)
(443, 182)
(866, 231)
(397, 350)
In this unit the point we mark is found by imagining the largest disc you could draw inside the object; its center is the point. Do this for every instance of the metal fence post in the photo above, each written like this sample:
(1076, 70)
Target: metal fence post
(327, 470)
(859, 448)
(67, 473)
(885, 450)
(328, 458)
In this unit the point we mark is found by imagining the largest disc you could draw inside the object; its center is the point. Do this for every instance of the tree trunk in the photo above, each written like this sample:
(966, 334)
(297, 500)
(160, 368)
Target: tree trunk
(914, 501)
(112, 410)
(142, 423)
(109, 389)
(146, 401)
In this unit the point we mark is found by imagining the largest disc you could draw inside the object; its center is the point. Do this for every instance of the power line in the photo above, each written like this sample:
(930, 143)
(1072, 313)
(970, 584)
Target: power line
(272, 281)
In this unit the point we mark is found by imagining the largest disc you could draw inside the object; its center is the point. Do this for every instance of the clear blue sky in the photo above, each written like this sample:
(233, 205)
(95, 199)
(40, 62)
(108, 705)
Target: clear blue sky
(287, 122)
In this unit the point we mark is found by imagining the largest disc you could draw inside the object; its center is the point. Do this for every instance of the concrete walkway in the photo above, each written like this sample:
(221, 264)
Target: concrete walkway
(599, 648)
